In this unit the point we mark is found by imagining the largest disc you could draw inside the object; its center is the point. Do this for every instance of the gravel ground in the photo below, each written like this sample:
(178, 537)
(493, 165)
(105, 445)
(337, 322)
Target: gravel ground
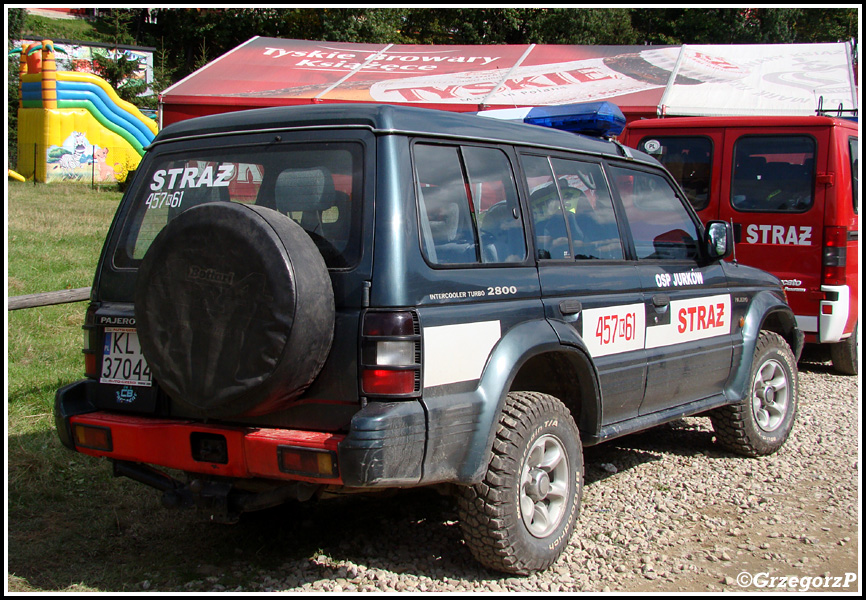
(665, 510)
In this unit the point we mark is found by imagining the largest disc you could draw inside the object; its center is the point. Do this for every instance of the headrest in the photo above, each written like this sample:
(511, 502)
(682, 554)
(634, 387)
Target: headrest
(442, 214)
(303, 190)
(752, 166)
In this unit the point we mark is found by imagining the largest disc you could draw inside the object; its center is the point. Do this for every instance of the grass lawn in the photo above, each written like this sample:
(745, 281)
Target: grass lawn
(54, 237)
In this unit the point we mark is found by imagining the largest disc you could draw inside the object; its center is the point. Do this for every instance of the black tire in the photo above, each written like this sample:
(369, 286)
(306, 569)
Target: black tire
(760, 423)
(234, 310)
(535, 473)
(844, 354)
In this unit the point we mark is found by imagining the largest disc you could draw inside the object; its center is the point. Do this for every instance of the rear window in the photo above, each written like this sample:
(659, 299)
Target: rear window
(773, 173)
(319, 186)
(689, 159)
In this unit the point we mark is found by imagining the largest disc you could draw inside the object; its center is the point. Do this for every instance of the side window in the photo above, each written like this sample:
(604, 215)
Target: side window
(551, 231)
(588, 209)
(854, 155)
(773, 173)
(494, 201)
(468, 207)
(689, 159)
(660, 224)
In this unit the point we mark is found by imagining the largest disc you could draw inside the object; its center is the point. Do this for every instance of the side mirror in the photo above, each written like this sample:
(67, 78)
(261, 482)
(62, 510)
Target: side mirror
(719, 240)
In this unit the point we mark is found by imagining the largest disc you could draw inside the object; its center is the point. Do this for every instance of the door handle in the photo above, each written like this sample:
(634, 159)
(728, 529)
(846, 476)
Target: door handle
(570, 307)
(660, 315)
(661, 300)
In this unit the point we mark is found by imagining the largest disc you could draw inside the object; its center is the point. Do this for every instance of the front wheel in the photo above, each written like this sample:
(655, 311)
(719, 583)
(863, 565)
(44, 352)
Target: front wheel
(520, 517)
(760, 423)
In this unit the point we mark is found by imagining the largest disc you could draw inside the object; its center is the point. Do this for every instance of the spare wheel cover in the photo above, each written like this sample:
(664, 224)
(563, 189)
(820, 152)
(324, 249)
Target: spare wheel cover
(234, 310)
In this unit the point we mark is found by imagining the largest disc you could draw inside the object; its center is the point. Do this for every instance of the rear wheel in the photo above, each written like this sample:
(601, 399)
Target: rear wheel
(760, 423)
(520, 517)
(844, 354)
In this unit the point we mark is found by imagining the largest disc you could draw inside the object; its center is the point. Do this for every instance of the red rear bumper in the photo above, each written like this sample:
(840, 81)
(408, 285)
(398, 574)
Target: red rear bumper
(251, 452)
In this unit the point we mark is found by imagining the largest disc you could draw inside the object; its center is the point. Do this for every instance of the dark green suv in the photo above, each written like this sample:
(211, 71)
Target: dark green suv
(302, 300)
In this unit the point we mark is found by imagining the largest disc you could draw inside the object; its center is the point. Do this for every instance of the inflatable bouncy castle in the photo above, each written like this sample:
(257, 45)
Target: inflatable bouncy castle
(73, 126)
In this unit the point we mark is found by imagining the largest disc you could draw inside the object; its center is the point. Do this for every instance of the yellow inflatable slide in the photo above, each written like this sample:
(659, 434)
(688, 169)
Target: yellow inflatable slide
(73, 126)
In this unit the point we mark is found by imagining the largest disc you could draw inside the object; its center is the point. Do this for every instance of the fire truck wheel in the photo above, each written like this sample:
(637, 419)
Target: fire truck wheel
(760, 423)
(844, 354)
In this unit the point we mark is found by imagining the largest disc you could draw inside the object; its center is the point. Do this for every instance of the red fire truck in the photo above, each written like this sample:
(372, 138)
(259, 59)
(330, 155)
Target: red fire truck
(790, 187)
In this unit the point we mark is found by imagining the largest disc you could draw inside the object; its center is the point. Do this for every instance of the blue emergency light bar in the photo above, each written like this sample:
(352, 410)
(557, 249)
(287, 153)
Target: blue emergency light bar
(599, 119)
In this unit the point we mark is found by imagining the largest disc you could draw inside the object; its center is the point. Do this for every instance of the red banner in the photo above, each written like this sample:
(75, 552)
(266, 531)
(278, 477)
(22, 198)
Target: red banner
(640, 79)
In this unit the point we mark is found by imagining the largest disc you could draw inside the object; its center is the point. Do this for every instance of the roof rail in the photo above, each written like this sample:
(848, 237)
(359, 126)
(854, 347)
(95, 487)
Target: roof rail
(839, 111)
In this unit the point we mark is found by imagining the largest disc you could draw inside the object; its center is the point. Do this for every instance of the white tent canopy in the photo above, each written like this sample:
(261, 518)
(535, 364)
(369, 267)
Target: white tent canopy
(791, 79)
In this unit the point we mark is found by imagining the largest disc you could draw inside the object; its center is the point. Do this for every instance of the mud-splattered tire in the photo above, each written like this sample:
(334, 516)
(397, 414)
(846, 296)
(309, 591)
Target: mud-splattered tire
(520, 517)
(760, 423)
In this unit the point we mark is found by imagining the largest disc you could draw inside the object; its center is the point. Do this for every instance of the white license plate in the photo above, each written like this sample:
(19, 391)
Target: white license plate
(122, 361)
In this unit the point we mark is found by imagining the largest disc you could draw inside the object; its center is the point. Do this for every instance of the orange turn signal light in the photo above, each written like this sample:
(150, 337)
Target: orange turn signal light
(95, 438)
(311, 462)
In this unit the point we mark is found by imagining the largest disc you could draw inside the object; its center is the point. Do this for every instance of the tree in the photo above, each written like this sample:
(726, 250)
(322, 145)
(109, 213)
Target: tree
(120, 73)
(596, 26)
(518, 26)
(744, 25)
(688, 25)
(115, 24)
(14, 25)
(822, 25)
(770, 25)
(361, 25)
(204, 34)
(162, 78)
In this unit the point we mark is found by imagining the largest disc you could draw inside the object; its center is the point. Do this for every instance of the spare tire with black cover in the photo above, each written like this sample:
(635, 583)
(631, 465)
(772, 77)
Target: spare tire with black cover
(234, 309)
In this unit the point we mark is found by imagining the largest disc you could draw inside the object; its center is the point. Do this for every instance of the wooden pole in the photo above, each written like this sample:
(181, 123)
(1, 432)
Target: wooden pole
(48, 298)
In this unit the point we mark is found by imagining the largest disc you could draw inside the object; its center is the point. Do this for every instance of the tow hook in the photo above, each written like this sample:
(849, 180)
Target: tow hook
(223, 502)
(212, 497)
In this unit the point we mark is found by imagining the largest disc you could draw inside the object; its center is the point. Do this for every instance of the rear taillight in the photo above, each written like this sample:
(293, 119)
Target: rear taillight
(91, 346)
(834, 256)
(390, 354)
